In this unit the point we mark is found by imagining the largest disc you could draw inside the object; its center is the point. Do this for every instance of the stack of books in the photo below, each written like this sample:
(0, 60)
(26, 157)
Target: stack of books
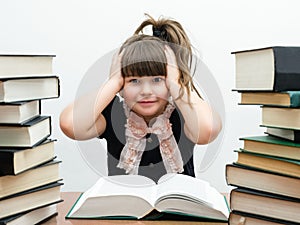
(266, 175)
(29, 171)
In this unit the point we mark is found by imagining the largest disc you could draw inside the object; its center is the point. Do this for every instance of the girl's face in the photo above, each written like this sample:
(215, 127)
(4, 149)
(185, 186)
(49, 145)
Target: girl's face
(147, 96)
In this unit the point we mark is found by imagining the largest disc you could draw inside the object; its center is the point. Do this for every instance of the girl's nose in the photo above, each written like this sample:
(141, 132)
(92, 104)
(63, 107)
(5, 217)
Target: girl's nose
(146, 89)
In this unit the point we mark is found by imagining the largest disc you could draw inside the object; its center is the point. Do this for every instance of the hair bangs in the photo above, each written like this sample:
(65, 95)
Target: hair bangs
(145, 68)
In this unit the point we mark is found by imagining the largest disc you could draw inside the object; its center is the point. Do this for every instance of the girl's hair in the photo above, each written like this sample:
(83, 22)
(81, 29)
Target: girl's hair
(144, 55)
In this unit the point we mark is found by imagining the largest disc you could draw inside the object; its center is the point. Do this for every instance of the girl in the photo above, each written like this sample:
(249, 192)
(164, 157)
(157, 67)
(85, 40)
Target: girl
(154, 129)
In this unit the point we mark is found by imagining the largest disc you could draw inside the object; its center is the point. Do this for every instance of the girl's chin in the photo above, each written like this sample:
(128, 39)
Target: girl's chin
(147, 114)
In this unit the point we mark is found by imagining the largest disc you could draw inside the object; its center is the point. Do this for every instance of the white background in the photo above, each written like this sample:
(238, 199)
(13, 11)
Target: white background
(80, 32)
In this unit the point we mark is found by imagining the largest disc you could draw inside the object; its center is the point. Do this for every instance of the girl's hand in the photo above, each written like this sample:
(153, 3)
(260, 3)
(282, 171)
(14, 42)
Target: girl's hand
(172, 68)
(115, 70)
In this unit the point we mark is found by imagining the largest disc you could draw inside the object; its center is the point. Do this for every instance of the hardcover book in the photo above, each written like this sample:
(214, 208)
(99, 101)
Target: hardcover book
(262, 180)
(29, 200)
(265, 204)
(29, 88)
(14, 161)
(19, 112)
(281, 117)
(28, 134)
(138, 197)
(241, 218)
(268, 69)
(35, 216)
(272, 146)
(282, 99)
(288, 134)
(35, 177)
(270, 163)
(22, 65)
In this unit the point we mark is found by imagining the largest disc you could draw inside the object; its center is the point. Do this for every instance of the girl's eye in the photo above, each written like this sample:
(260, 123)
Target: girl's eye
(134, 81)
(157, 79)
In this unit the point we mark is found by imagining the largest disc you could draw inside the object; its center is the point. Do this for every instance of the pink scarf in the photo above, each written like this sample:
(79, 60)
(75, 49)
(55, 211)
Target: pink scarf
(137, 129)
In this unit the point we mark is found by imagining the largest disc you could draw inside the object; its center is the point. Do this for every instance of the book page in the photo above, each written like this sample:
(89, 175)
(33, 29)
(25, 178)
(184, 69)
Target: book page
(120, 185)
(191, 189)
(178, 184)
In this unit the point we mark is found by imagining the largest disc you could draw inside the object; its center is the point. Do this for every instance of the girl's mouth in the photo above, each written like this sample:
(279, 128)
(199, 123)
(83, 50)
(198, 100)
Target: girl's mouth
(146, 102)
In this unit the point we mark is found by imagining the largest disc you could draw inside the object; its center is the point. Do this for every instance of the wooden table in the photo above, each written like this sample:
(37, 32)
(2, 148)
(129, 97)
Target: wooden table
(70, 198)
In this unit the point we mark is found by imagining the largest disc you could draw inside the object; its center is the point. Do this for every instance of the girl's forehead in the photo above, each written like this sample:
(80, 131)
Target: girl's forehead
(143, 77)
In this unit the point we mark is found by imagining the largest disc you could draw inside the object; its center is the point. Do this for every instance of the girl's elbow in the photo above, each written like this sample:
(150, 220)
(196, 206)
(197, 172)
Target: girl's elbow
(66, 126)
(209, 133)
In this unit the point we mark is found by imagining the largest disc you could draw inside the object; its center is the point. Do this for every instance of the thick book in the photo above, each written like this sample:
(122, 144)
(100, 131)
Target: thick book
(262, 180)
(242, 218)
(36, 216)
(270, 163)
(268, 69)
(281, 117)
(15, 160)
(265, 204)
(29, 200)
(288, 134)
(28, 134)
(19, 112)
(138, 197)
(29, 88)
(282, 99)
(35, 177)
(270, 145)
(22, 65)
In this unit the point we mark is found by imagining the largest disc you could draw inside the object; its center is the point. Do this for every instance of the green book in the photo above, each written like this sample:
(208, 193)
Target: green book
(272, 146)
(266, 162)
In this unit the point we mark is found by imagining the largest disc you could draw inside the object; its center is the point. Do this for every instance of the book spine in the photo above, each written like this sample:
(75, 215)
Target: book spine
(297, 136)
(6, 163)
(294, 99)
(287, 68)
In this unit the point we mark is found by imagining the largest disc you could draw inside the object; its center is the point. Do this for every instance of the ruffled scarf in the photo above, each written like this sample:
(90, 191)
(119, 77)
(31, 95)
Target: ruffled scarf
(136, 130)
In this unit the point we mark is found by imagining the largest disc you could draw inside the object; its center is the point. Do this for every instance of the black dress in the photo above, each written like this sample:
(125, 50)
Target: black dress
(151, 164)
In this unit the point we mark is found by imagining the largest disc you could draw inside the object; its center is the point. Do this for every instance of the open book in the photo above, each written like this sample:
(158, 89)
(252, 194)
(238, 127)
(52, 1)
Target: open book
(138, 197)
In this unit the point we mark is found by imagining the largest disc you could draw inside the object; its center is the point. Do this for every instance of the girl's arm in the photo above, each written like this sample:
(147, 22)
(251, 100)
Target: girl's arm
(83, 119)
(202, 123)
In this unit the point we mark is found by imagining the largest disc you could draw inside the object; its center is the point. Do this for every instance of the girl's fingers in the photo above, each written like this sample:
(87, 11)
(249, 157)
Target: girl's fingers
(171, 58)
(116, 63)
